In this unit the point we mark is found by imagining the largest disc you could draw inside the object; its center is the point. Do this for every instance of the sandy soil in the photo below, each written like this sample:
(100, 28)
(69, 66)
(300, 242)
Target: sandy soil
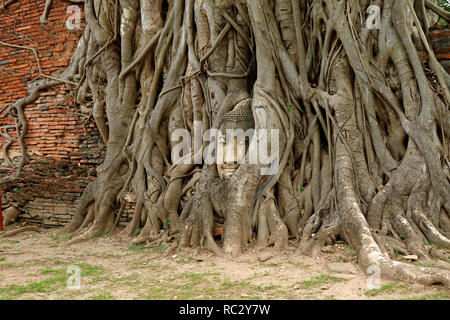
(35, 266)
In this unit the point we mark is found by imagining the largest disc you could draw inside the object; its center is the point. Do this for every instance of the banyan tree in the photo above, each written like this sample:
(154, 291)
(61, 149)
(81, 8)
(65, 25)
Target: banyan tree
(352, 89)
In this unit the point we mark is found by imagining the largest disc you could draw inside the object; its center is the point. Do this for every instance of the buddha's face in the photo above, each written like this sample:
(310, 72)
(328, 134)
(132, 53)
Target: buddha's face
(233, 146)
(234, 140)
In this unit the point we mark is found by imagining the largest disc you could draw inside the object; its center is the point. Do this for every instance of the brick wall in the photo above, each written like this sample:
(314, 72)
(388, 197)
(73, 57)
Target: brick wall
(54, 128)
(440, 40)
(64, 146)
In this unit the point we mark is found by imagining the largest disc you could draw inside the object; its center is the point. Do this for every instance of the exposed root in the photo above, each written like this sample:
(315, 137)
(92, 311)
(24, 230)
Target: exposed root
(17, 231)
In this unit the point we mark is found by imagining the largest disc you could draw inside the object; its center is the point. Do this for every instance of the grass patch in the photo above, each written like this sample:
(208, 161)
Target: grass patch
(426, 265)
(182, 261)
(131, 279)
(54, 236)
(8, 265)
(68, 236)
(45, 286)
(390, 287)
(86, 269)
(102, 296)
(298, 264)
(98, 278)
(271, 264)
(244, 284)
(89, 269)
(321, 279)
(157, 293)
(58, 281)
(439, 295)
(139, 247)
(53, 271)
(353, 251)
(205, 285)
(159, 249)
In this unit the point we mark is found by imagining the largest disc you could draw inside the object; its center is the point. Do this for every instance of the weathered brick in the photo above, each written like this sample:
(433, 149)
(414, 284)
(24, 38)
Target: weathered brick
(57, 139)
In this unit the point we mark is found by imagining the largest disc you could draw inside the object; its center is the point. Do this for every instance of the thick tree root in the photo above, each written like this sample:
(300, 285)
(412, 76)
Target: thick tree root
(17, 231)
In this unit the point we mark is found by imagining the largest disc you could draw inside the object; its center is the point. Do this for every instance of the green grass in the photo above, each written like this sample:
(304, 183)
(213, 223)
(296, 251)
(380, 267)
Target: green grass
(44, 286)
(131, 280)
(298, 264)
(444, 4)
(390, 287)
(85, 268)
(243, 284)
(8, 265)
(102, 296)
(183, 261)
(352, 251)
(150, 266)
(157, 293)
(89, 269)
(68, 236)
(318, 281)
(139, 247)
(279, 263)
(2, 258)
(205, 285)
(53, 284)
(271, 264)
(426, 265)
(439, 295)
(53, 271)
(54, 237)
(99, 278)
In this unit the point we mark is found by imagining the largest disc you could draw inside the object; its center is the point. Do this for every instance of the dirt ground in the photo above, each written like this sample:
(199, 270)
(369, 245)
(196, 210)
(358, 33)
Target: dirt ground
(35, 266)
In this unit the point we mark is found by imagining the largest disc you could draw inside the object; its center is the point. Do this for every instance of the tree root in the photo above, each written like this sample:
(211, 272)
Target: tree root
(17, 231)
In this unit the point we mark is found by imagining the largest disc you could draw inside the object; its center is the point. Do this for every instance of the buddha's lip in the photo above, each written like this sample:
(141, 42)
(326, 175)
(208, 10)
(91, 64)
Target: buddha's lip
(229, 170)
(229, 166)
